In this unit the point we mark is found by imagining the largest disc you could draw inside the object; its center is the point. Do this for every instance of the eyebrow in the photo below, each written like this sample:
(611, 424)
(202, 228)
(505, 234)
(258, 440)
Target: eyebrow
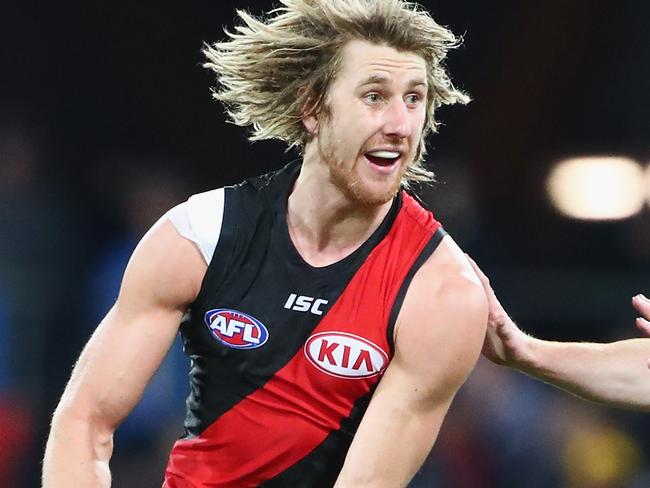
(381, 80)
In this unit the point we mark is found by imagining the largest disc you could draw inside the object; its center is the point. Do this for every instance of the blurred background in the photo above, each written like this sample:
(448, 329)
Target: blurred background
(106, 121)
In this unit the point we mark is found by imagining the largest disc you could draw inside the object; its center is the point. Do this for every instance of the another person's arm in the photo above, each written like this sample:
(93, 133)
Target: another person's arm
(162, 278)
(438, 339)
(614, 373)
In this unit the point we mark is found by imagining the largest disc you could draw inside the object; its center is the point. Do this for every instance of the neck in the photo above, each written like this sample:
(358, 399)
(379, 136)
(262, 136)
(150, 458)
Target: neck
(326, 225)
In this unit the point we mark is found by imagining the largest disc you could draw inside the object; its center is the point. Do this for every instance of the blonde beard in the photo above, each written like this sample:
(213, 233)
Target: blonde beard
(346, 180)
(352, 186)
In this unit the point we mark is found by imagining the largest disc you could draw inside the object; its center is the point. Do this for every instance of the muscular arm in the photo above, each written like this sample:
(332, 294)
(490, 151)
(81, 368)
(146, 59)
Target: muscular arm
(162, 278)
(437, 341)
(614, 373)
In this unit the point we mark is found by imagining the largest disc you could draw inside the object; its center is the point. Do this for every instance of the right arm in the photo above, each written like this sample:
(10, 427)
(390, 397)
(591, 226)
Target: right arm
(614, 373)
(162, 278)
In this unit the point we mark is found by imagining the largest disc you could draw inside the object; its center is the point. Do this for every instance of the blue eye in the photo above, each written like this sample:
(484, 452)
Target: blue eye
(413, 98)
(373, 97)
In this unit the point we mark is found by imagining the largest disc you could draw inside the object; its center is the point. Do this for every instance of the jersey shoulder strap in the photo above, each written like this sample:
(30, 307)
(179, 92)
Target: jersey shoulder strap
(249, 210)
(199, 219)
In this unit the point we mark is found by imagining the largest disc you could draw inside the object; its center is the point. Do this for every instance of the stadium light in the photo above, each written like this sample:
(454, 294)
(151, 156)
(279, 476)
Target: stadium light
(647, 182)
(598, 187)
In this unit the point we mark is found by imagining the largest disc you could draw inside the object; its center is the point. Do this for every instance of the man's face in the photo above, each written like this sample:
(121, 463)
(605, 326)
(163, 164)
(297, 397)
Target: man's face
(374, 119)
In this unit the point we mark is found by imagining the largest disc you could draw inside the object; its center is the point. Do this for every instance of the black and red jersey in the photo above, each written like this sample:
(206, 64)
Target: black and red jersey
(285, 356)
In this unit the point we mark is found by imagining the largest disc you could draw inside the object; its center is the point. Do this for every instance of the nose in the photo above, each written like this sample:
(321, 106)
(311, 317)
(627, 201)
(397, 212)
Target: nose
(397, 120)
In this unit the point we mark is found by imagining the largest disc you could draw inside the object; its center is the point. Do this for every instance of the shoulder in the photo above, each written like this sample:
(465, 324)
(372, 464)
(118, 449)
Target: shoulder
(448, 276)
(444, 315)
(165, 269)
(199, 219)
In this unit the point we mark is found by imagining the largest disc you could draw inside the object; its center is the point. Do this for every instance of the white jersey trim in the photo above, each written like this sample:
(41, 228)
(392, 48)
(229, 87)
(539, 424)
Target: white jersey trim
(199, 219)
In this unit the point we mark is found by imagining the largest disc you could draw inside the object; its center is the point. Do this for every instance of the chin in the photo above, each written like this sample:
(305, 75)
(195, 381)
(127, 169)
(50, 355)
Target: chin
(372, 195)
(365, 189)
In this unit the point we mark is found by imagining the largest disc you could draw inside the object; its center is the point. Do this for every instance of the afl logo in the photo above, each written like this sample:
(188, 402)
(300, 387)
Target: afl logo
(236, 329)
(345, 355)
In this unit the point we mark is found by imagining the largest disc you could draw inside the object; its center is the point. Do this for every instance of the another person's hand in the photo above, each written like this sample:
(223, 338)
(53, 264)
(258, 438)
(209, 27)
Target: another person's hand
(504, 342)
(642, 305)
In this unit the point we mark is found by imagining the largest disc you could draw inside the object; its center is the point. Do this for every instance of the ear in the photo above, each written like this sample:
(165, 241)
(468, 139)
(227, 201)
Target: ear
(311, 123)
(308, 114)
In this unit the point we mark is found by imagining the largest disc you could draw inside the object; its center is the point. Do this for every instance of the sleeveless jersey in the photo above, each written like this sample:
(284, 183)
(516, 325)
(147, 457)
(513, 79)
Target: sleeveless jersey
(285, 356)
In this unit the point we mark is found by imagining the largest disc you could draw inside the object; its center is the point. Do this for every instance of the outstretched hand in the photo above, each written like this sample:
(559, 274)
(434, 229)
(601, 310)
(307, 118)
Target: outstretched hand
(504, 342)
(642, 305)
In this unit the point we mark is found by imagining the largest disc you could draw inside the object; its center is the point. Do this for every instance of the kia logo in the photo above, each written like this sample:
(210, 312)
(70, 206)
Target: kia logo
(345, 355)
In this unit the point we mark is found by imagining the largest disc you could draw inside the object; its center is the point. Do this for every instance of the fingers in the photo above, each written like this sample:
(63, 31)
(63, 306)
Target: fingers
(500, 328)
(505, 327)
(485, 281)
(496, 310)
(642, 304)
(643, 325)
(498, 318)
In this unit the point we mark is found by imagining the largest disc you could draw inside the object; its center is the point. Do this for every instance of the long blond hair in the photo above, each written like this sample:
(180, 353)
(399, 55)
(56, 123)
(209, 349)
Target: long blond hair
(272, 67)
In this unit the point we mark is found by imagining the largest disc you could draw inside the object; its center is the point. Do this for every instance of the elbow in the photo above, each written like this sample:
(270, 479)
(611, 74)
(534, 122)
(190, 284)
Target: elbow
(74, 418)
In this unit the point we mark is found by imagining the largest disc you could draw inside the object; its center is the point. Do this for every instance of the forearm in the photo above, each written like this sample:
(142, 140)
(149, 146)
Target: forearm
(615, 373)
(392, 451)
(77, 453)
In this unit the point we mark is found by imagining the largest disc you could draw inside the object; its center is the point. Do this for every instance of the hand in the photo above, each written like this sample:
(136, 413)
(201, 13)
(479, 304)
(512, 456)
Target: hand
(642, 304)
(504, 342)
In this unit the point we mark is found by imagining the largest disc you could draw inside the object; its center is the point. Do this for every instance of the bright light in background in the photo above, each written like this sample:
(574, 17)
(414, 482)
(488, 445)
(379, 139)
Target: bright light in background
(647, 182)
(598, 188)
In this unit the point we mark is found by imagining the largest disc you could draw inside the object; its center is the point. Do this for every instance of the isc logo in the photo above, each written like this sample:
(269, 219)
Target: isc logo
(236, 329)
(303, 304)
(345, 355)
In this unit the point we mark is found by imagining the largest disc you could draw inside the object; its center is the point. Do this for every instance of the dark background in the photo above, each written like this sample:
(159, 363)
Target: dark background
(106, 121)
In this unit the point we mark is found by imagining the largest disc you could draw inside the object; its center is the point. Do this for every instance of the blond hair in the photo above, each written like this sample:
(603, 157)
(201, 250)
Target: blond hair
(271, 68)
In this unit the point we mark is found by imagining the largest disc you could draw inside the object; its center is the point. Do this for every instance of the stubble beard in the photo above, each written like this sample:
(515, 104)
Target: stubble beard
(349, 182)
(352, 185)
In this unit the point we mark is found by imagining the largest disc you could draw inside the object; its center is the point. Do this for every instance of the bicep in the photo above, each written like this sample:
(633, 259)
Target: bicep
(116, 364)
(438, 343)
(128, 346)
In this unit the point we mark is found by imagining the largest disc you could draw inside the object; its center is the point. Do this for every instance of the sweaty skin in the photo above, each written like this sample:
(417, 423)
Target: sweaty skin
(614, 373)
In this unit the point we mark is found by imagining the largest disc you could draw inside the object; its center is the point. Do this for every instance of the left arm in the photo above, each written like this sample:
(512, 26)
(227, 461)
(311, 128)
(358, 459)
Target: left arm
(614, 373)
(438, 338)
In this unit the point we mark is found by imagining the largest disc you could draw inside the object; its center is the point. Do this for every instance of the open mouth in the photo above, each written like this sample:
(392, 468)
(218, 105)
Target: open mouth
(383, 158)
